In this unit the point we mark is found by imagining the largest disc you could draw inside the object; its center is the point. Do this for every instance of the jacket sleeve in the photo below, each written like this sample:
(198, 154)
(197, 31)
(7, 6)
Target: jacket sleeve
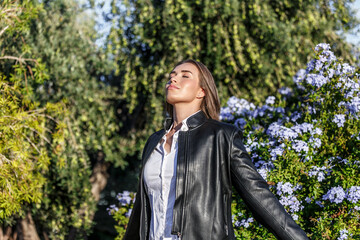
(255, 192)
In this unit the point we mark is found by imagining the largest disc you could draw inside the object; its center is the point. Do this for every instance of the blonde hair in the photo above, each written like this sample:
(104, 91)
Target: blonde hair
(210, 104)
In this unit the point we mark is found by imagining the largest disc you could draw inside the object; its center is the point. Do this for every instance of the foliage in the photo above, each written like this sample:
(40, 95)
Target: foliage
(305, 142)
(121, 215)
(24, 153)
(57, 61)
(251, 47)
(63, 37)
(30, 132)
(247, 45)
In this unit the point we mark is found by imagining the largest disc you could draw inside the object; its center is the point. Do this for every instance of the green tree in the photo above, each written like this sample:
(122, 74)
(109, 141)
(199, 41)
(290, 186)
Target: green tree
(251, 47)
(30, 132)
(62, 36)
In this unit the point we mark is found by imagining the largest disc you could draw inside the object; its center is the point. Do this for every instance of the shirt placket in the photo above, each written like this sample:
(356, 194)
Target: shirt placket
(164, 187)
(165, 184)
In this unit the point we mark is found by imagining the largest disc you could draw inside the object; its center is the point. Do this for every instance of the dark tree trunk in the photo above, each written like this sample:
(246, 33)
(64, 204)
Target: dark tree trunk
(24, 230)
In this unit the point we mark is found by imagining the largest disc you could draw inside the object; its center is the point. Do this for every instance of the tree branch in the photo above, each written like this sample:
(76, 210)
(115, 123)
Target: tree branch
(4, 29)
(22, 60)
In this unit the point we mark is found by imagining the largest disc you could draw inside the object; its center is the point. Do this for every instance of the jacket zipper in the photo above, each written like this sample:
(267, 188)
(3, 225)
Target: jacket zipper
(185, 183)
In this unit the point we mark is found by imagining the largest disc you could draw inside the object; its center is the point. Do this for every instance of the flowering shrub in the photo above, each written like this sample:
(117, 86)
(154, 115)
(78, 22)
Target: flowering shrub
(305, 142)
(121, 212)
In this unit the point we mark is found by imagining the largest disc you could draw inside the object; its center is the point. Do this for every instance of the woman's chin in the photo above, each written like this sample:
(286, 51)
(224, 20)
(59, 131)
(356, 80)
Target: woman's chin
(171, 100)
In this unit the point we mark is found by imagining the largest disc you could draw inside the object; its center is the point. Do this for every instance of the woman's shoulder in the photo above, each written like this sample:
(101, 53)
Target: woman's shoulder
(222, 126)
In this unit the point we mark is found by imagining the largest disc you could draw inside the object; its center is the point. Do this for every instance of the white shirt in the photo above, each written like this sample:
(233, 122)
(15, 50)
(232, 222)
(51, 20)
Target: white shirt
(160, 179)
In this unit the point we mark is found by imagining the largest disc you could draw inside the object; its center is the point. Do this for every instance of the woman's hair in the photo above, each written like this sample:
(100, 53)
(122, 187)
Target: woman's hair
(210, 104)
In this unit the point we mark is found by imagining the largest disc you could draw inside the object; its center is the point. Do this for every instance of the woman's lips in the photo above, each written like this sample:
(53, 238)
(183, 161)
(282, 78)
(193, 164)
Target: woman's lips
(172, 87)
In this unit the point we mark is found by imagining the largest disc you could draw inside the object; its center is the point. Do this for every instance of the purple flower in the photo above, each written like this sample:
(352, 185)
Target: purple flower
(239, 107)
(300, 76)
(240, 123)
(252, 145)
(280, 110)
(284, 188)
(310, 65)
(338, 69)
(345, 161)
(343, 234)
(330, 72)
(339, 119)
(327, 56)
(112, 208)
(292, 202)
(226, 114)
(315, 142)
(270, 100)
(319, 64)
(354, 105)
(295, 116)
(353, 194)
(347, 69)
(124, 198)
(316, 131)
(263, 172)
(319, 203)
(277, 130)
(319, 172)
(295, 217)
(278, 151)
(285, 91)
(299, 145)
(316, 80)
(335, 194)
(303, 127)
(244, 222)
(233, 219)
(322, 46)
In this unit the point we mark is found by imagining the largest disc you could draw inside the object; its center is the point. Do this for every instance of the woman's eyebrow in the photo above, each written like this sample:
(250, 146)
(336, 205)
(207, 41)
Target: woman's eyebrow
(181, 71)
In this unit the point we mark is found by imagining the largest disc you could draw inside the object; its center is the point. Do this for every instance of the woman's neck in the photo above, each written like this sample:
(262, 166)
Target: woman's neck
(179, 114)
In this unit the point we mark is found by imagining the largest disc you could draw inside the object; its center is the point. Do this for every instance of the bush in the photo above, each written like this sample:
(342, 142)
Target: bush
(305, 142)
(122, 213)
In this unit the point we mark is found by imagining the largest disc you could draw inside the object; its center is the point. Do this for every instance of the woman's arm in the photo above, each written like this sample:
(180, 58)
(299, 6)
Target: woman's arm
(256, 194)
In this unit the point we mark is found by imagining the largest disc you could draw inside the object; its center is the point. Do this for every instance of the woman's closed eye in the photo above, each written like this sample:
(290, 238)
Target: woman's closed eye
(184, 76)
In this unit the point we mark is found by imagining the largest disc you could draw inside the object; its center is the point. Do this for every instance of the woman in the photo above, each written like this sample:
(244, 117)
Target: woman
(190, 166)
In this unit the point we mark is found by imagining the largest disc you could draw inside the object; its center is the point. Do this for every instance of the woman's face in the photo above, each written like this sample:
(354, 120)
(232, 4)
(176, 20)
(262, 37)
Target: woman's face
(184, 85)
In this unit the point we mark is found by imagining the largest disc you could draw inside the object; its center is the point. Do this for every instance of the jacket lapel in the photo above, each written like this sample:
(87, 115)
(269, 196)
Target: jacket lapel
(152, 144)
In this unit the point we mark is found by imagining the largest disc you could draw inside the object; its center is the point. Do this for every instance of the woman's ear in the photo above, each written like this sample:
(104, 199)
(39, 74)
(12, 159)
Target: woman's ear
(201, 93)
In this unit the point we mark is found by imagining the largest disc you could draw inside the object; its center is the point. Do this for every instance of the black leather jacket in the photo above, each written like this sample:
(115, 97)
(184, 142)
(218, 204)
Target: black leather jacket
(211, 159)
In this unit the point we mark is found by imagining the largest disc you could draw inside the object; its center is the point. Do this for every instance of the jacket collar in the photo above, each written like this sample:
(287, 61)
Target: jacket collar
(192, 122)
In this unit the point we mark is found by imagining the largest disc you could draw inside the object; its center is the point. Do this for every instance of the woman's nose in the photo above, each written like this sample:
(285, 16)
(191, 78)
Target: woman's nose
(173, 79)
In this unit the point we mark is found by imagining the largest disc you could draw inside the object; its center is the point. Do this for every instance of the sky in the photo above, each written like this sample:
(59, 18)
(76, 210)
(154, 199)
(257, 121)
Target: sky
(354, 37)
